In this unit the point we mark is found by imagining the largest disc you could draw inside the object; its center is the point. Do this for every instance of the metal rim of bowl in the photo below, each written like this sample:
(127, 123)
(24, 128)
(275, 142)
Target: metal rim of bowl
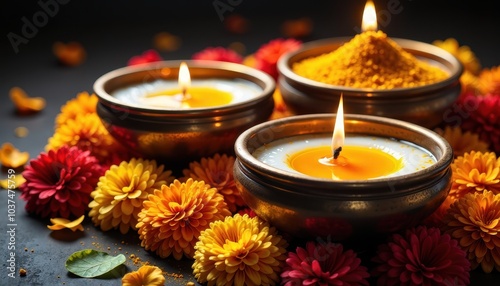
(345, 188)
(114, 77)
(414, 47)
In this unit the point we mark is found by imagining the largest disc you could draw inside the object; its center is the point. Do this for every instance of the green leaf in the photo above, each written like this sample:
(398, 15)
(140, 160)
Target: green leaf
(91, 263)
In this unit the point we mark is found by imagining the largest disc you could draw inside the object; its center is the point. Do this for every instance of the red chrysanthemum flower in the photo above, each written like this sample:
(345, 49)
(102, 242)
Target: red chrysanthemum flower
(148, 56)
(323, 264)
(268, 54)
(479, 114)
(247, 211)
(422, 256)
(218, 54)
(59, 182)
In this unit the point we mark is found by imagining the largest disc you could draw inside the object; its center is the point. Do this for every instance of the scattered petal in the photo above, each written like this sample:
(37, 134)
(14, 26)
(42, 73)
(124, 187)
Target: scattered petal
(70, 54)
(11, 157)
(61, 223)
(25, 104)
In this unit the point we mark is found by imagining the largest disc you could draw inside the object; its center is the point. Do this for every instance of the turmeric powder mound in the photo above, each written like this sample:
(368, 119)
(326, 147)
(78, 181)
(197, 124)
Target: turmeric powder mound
(370, 60)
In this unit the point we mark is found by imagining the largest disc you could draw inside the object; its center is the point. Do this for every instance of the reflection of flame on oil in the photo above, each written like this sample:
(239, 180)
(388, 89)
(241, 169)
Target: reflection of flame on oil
(329, 161)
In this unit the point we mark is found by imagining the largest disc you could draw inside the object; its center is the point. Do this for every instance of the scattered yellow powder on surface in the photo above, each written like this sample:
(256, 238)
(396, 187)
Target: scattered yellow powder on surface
(370, 60)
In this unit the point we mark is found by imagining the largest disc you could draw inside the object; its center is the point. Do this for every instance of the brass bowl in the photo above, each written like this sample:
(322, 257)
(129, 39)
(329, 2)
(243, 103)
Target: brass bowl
(308, 207)
(424, 105)
(181, 135)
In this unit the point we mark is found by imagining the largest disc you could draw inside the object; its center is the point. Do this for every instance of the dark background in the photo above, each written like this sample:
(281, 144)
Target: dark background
(113, 31)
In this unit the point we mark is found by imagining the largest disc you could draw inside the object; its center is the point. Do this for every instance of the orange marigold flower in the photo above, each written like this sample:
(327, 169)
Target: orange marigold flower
(462, 142)
(83, 103)
(436, 218)
(239, 251)
(463, 53)
(119, 195)
(218, 173)
(474, 220)
(173, 217)
(146, 275)
(11, 157)
(25, 104)
(87, 133)
(489, 81)
(475, 171)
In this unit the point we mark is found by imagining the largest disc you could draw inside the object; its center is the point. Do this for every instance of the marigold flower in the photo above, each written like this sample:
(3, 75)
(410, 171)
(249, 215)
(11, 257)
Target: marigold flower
(489, 81)
(59, 182)
(11, 157)
(173, 217)
(479, 115)
(148, 56)
(323, 263)
(268, 54)
(218, 54)
(146, 275)
(239, 251)
(475, 171)
(83, 103)
(118, 197)
(70, 54)
(464, 54)
(61, 223)
(474, 220)
(87, 133)
(421, 256)
(462, 142)
(217, 171)
(25, 104)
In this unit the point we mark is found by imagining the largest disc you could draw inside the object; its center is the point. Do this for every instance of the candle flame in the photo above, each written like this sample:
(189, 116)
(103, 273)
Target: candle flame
(369, 22)
(184, 79)
(338, 130)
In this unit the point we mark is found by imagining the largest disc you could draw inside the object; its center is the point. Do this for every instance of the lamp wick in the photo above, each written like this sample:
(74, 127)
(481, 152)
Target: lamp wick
(336, 152)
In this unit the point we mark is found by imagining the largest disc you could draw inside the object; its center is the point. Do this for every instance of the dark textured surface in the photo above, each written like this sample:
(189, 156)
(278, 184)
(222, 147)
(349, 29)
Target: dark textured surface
(113, 31)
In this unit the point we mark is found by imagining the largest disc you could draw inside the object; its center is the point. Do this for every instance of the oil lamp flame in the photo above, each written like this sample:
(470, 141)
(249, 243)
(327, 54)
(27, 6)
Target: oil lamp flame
(369, 22)
(338, 131)
(184, 80)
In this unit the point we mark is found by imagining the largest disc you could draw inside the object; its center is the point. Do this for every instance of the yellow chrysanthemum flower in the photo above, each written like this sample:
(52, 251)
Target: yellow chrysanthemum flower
(218, 173)
(463, 53)
(173, 217)
(475, 171)
(239, 251)
(146, 275)
(470, 83)
(87, 133)
(489, 81)
(462, 142)
(474, 220)
(83, 103)
(119, 195)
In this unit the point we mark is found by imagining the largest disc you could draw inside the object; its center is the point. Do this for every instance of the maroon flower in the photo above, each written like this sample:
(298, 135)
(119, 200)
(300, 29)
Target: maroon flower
(422, 256)
(148, 56)
(59, 183)
(218, 54)
(323, 264)
(479, 115)
(268, 54)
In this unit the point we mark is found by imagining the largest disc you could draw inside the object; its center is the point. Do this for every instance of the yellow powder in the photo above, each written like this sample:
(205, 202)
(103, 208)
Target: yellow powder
(370, 60)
